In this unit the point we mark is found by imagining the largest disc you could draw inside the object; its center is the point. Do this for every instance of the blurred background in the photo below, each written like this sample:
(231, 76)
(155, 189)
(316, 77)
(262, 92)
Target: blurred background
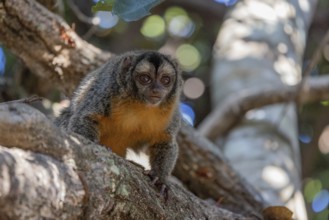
(187, 30)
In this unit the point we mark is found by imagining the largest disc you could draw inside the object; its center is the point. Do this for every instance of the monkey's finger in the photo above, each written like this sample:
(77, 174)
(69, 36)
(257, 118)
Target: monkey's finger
(163, 189)
(164, 192)
(155, 180)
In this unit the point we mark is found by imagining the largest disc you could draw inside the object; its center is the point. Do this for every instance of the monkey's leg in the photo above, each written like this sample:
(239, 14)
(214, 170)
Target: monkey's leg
(162, 159)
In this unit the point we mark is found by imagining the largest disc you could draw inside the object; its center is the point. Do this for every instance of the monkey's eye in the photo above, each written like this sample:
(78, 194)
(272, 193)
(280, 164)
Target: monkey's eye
(144, 79)
(165, 80)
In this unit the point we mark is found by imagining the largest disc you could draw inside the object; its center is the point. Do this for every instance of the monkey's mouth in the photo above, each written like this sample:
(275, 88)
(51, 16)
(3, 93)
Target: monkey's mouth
(154, 99)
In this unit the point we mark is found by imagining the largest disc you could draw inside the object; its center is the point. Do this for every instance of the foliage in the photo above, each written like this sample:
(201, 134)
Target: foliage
(128, 10)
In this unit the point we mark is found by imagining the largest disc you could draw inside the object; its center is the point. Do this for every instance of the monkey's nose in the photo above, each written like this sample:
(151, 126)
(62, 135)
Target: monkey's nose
(155, 91)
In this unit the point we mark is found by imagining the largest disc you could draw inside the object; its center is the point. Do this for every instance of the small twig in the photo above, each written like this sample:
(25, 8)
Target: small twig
(92, 30)
(93, 21)
(27, 100)
(82, 17)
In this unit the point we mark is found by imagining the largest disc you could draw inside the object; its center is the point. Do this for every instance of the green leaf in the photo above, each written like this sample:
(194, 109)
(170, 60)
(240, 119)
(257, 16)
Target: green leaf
(132, 10)
(103, 5)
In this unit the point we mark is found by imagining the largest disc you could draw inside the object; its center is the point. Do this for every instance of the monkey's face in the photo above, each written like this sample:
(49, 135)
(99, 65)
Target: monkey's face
(154, 78)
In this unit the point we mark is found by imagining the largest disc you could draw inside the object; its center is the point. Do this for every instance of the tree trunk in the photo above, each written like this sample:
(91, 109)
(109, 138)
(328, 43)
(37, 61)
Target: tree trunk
(260, 46)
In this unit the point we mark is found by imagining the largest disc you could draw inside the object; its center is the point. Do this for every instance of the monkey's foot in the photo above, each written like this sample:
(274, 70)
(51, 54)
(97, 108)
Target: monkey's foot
(164, 189)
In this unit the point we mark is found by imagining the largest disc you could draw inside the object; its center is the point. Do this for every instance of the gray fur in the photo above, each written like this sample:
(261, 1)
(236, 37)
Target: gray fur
(114, 80)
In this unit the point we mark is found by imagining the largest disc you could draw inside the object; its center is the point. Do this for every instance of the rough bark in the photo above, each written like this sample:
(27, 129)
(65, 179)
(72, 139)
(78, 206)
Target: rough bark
(204, 170)
(88, 181)
(46, 44)
(36, 186)
(205, 173)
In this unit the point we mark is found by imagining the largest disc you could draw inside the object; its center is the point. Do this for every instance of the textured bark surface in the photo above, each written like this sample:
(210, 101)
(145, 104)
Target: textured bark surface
(36, 186)
(47, 45)
(87, 180)
(202, 167)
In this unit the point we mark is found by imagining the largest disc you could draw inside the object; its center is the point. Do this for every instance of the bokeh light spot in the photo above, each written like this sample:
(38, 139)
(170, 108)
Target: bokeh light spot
(181, 26)
(325, 103)
(226, 2)
(275, 176)
(106, 19)
(187, 113)
(305, 133)
(153, 26)
(2, 61)
(282, 48)
(188, 57)
(304, 138)
(174, 12)
(320, 201)
(312, 187)
(193, 88)
(324, 141)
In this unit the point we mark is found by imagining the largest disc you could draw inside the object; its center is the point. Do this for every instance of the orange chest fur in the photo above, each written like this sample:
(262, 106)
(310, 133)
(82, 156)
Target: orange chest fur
(132, 125)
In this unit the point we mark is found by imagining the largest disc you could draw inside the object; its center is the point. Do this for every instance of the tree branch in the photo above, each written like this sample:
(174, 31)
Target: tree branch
(47, 45)
(36, 186)
(14, 132)
(112, 187)
(202, 167)
(225, 117)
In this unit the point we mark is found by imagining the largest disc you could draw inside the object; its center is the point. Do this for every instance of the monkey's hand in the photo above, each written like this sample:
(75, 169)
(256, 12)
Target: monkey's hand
(162, 160)
(160, 184)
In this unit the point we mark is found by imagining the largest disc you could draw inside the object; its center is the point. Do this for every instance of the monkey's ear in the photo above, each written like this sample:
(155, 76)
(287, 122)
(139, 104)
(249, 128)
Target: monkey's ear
(177, 67)
(127, 62)
(175, 63)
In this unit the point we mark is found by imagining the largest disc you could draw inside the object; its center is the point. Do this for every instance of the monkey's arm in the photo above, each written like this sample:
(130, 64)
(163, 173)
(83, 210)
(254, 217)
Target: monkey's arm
(162, 160)
(163, 156)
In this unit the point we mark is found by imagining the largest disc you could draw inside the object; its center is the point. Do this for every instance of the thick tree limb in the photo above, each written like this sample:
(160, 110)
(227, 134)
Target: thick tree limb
(112, 187)
(203, 169)
(200, 166)
(36, 186)
(230, 113)
(47, 45)
(13, 132)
